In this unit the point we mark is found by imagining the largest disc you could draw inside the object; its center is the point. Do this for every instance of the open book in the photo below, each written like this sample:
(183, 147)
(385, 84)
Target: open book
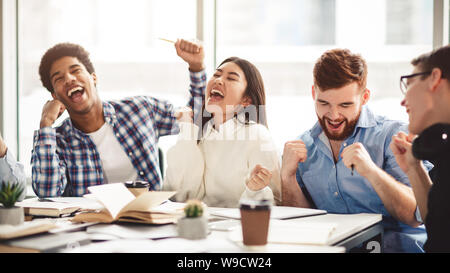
(121, 205)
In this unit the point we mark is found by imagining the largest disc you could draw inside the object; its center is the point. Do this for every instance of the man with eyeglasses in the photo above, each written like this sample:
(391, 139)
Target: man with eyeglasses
(427, 102)
(344, 164)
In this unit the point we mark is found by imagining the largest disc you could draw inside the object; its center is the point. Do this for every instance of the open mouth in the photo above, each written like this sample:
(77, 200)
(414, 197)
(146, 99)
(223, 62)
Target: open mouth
(216, 95)
(76, 93)
(335, 125)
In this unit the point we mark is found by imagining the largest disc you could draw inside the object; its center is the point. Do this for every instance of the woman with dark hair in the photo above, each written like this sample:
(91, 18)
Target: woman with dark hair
(226, 153)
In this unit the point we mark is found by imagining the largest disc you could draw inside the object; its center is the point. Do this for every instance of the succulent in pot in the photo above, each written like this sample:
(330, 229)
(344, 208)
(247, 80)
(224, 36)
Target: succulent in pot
(194, 224)
(9, 213)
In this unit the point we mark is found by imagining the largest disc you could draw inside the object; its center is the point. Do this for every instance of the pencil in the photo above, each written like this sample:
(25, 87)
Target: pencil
(167, 40)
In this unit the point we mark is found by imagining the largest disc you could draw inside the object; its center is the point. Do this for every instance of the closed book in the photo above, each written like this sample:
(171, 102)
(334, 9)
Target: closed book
(52, 209)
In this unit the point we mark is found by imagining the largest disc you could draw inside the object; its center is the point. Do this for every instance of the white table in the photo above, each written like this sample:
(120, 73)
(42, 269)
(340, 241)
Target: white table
(350, 231)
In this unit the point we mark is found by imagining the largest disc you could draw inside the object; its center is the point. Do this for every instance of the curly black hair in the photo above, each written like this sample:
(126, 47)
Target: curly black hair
(58, 51)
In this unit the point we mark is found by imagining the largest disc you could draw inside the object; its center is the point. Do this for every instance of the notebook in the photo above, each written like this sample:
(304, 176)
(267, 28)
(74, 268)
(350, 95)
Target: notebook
(25, 229)
(46, 242)
(277, 212)
(282, 232)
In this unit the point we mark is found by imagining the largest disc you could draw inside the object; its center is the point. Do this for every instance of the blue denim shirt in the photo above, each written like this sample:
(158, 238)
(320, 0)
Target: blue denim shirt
(333, 188)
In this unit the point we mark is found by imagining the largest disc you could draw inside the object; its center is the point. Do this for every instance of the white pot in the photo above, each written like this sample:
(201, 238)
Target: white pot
(193, 228)
(11, 216)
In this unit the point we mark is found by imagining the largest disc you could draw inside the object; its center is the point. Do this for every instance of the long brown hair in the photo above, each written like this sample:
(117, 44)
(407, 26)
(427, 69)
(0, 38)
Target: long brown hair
(254, 90)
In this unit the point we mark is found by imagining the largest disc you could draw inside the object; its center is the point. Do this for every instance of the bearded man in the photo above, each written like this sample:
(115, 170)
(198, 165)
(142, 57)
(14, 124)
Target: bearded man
(344, 164)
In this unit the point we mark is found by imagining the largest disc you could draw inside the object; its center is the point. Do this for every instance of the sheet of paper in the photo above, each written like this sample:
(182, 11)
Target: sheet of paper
(169, 207)
(7, 231)
(283, 232)
(131, 231)
(81, 202)
(145, 246)
(113, 196)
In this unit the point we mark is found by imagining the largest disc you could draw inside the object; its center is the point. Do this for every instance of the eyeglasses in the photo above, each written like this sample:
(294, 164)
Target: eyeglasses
(404, 80)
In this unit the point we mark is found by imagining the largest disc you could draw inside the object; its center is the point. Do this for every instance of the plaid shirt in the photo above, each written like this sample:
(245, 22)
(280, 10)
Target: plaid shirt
(65, 156)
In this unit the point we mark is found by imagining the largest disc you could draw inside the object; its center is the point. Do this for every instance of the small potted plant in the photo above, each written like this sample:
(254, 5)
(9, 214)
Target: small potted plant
(9, 194)
(194, 224)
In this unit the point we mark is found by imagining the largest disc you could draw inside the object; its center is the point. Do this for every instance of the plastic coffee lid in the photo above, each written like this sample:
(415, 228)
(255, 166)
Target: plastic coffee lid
(137, 184)
(255, 204)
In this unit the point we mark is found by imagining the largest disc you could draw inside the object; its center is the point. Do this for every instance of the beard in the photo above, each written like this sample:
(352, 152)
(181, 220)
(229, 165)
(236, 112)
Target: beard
(349, 127)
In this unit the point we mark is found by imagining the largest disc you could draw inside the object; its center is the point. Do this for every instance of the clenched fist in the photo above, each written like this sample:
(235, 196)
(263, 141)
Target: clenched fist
(192, 53)
(259, 178)
(357, 156)
(184, 114)
(52, 110)
(401, 147)
(294, 152)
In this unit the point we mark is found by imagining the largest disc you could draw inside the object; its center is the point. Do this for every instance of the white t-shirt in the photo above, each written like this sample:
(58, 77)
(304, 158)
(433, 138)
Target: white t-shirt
(117, 166)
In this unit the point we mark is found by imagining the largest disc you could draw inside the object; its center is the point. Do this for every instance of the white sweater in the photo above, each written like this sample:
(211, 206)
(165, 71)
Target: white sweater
(216, 169)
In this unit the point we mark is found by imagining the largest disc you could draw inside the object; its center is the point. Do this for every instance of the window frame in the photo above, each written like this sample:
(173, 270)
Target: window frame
(9, 101)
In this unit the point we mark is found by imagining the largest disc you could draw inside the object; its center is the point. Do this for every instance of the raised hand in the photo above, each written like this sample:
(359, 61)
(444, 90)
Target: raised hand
(192, 53)
(401, 146)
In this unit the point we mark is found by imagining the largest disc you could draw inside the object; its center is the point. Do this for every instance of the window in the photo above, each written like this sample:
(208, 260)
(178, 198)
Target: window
(282, 38)
(285, 38)
(122, 38)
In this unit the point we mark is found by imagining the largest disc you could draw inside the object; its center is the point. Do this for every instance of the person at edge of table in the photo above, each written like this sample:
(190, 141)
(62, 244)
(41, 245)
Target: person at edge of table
(11, 171)
(427, 102)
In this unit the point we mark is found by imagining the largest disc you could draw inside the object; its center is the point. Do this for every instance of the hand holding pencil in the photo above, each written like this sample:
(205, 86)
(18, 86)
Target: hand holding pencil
(356, 158)
(191, 52)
